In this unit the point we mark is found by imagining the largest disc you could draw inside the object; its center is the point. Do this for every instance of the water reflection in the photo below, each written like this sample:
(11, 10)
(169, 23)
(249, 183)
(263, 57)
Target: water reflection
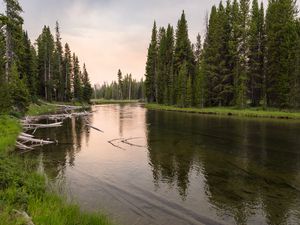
(54, 159)
(196, 168)
(251, 168)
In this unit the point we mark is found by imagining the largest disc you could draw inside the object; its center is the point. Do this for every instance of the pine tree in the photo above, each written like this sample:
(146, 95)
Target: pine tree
(59, 81)
(120, 85)
(13, 22)
(162, 66)
(87, 89)
(67, 72)
(243, 50)
(281, 41)
(77, 84)
(169, 79)
(151, 67)
(184, 62)
(45, 44)
(211, 58)
(198, 89)
(256, 54)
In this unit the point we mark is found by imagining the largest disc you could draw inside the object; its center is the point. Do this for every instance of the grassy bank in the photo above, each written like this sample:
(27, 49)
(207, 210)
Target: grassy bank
(105, 101)
(22, 189)
(230, 111)
(46, 108)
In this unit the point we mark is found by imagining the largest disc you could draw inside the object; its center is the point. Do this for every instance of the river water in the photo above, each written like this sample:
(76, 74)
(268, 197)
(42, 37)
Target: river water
(169, 168)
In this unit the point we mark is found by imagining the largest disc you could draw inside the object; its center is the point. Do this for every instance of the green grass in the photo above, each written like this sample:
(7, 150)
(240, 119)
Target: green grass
(35, 109)
(9, 130)
(105, 101)
(23, 189)
(231, 111)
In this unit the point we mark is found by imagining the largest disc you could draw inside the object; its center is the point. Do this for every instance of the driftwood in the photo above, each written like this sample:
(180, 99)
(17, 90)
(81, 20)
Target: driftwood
(126, 141)
(113, 144)
(27, 219)
(28, 142)
(25, 139)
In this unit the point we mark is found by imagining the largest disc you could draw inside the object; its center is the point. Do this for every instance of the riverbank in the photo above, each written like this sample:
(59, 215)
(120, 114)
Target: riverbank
(230, 111)
(45, 108)
(105, 101)
(24, 192)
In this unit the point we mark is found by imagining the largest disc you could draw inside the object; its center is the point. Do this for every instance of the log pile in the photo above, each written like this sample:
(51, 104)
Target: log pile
(28, 142)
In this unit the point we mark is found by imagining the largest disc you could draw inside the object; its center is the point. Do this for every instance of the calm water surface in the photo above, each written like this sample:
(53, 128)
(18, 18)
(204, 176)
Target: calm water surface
(177, 168)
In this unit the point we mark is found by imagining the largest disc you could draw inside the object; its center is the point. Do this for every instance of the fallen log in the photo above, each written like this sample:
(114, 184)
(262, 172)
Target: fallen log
(26, 139)
(23, 147)
(95, 128)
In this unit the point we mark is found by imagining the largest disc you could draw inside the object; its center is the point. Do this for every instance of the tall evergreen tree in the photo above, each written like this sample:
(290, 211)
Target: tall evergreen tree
(281, 40)
(162, 66)
(243, 51)
(13, 22)
(67, 73)
(77, 84)
(59, 81)
(256, 54)
(120, 84)
(151, 67)
(45, 43)
(87, 89)
(184, 62)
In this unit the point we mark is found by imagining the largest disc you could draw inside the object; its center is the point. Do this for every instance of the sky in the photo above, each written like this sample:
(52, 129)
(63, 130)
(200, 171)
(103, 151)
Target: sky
(109, 35)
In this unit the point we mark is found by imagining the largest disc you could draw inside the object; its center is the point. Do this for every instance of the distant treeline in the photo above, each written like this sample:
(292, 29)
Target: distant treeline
(126, 88)
(247, 58)
(44, 70)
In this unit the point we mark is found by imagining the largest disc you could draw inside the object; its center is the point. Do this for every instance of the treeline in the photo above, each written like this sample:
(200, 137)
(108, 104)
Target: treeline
(126, 88)
(247, 58)
(44, 69)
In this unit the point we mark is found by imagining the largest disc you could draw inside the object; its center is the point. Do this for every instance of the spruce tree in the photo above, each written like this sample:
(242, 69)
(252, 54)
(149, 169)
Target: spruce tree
(243, 50)
(211, 58)
(256, 54)
(77, 84)
(45, 43)
(58, 79)
(87, 89)
(184, 62)
(120, 85)
(169, 79)
(13, 22)
(162, 67)
(280, 44)
(198, 89)
(67, 73)
(151, 67)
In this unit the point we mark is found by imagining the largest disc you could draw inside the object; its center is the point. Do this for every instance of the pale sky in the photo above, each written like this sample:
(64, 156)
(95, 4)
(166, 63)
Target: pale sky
(110, 34)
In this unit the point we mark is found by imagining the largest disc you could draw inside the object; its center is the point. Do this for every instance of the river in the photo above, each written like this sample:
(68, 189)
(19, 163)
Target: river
(170, 168)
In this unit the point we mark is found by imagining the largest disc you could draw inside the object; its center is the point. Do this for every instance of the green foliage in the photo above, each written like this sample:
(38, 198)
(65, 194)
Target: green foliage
(129, 89)
(18, 90)
(246, 59)
(77, 83)
(151, 67)
(87, 90)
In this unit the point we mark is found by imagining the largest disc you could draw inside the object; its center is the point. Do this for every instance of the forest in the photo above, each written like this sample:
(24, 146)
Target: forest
(43, 69)
(126, 88)
(249, 57)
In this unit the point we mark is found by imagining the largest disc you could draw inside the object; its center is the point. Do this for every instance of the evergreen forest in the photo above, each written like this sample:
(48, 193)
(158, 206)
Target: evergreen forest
(249, 57)
(41, 69)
